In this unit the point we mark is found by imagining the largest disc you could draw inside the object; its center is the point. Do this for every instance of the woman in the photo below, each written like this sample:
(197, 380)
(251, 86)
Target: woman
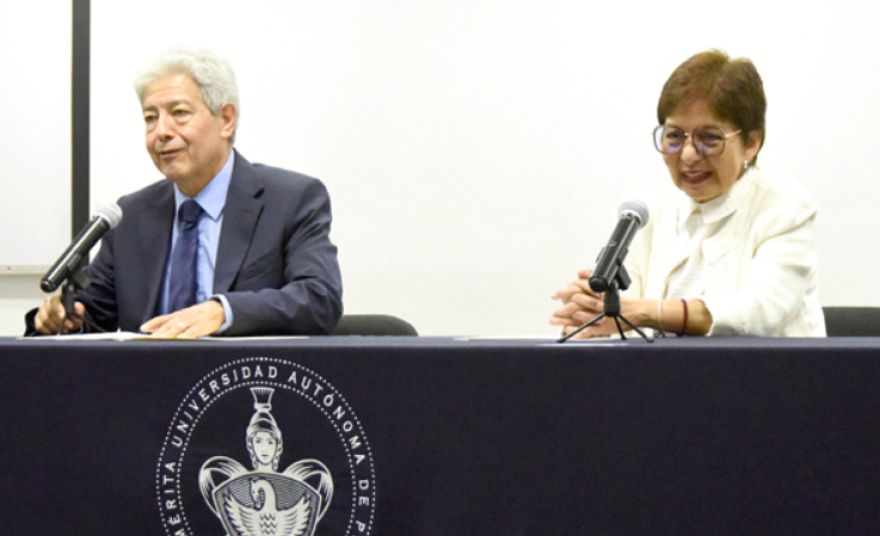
(727, 250)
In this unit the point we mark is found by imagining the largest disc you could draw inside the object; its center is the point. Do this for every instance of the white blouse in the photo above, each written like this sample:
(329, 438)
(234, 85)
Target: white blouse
(749, 255)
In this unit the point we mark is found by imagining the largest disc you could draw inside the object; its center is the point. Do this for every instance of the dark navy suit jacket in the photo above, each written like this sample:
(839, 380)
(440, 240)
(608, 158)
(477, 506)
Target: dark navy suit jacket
(275, 262)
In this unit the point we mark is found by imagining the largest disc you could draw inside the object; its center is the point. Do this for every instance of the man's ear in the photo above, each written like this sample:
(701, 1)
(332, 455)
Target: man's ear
(229, 115)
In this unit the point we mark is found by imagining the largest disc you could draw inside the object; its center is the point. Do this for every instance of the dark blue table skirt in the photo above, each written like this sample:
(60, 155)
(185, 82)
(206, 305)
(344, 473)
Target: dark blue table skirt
(426, 436)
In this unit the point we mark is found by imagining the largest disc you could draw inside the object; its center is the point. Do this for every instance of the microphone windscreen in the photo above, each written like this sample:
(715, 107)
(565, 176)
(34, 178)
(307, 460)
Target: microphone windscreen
(635, 208)
(110, 212)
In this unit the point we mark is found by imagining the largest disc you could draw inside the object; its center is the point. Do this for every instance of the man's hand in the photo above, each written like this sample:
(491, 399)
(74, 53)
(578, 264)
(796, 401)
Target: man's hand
(51, 313)
(202, 319)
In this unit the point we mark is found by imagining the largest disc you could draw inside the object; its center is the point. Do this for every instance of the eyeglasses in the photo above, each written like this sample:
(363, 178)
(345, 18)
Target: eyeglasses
(708, 141)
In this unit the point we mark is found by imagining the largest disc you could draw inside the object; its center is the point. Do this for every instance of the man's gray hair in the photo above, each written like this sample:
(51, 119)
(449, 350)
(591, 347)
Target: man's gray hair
(212, 73)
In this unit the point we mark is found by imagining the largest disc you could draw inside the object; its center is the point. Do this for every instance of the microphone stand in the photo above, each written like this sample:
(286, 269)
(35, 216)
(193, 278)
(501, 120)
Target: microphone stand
(611, 299)
(76, 282)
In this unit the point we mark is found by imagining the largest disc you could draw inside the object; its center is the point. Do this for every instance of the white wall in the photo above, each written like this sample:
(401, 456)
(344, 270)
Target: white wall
(34, 148)
(475, 150)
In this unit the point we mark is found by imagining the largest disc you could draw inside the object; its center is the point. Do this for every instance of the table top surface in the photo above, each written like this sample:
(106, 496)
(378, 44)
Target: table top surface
(465, 342)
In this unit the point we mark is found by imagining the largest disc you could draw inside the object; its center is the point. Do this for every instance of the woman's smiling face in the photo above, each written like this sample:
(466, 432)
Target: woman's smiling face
(703, 177)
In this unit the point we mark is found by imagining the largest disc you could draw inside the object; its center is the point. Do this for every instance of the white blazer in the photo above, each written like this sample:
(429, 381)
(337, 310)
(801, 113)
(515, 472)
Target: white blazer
(761, 275)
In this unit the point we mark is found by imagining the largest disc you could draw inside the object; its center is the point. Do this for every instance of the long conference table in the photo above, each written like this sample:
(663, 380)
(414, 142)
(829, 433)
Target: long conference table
(440, 436)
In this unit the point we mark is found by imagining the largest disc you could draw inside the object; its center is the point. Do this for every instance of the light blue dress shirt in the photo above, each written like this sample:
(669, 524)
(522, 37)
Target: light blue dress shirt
(212, 199)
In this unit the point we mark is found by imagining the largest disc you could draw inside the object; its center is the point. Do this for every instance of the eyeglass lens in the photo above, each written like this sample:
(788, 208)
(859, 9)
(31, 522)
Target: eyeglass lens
(708, 141)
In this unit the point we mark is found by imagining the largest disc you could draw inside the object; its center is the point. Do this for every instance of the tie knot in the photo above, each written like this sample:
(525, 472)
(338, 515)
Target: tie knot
(189, 211)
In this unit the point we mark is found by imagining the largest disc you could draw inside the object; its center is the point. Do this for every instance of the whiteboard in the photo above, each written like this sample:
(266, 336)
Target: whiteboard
(475, 151)
(35, 177)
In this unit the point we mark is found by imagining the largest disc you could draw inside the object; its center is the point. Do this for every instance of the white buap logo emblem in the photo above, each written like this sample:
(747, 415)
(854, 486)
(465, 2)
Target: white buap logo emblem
(291, 409)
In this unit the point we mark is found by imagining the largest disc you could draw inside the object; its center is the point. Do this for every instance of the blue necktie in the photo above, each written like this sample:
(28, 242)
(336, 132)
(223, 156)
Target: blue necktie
(182, 280)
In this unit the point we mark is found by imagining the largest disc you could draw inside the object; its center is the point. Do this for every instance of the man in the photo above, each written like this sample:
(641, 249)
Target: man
(222, 246)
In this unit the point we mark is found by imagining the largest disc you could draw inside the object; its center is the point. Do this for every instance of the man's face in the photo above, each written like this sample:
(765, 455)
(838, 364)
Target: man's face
(187, 143)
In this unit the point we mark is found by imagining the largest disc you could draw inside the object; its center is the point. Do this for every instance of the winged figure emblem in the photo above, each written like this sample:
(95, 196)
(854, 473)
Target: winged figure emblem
(264, 501)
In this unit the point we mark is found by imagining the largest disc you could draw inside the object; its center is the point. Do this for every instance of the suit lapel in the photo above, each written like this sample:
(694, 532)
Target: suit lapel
(240, 217)
(155, 235)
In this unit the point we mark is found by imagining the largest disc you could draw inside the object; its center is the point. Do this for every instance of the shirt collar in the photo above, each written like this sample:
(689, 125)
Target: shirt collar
(212, 198)
(719, 208)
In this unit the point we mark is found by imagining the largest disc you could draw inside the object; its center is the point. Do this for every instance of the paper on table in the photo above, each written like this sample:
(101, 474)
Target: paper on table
(543, 337)
(132, 336)
(109, 336)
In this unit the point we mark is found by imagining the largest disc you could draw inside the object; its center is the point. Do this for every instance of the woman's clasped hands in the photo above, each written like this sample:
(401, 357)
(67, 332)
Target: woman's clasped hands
(580, 304)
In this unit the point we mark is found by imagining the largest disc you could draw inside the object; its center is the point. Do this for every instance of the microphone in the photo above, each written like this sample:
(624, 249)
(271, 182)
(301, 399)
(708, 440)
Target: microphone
(107, 216)
(633, 216)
